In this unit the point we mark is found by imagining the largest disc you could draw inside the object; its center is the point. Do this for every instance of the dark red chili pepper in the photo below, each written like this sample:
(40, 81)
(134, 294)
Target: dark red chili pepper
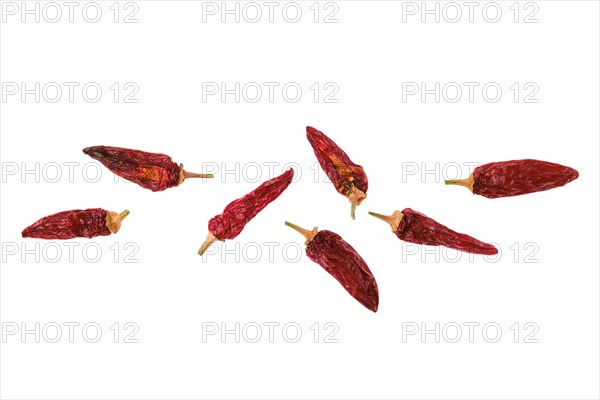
(76, 223)
(414, 227)
(348, 178)
(513, 178)
(153, 171)
(238, 213)
(337, 257)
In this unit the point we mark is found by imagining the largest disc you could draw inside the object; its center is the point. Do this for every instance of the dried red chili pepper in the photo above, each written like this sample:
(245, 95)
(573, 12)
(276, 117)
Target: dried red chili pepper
(238, 213)
(414, 227)
(76, 223)
(153, 171)
(337, 257)
(348, 178)
(516, 177)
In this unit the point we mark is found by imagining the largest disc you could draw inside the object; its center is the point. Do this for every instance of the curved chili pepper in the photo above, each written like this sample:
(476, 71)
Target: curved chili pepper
(238, 213)
(348, 178)
(516, 177)
(414, 227)
(337, 257)
(76, 223)
(153, 171)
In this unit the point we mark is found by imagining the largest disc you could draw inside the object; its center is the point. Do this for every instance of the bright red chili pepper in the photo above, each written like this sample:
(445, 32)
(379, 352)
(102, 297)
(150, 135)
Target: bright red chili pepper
(153, 171)
(238, 213)
(343, 262)
(76, 223)
(348, 178)
(517, 177)
(414, 227)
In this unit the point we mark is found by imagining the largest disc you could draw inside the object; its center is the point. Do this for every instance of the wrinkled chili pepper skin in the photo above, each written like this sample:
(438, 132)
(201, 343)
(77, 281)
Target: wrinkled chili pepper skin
(335, 162)
(344, 263)
(69, 224)
(517, 177)
(153, 171)
(418, 228)
(238, 213)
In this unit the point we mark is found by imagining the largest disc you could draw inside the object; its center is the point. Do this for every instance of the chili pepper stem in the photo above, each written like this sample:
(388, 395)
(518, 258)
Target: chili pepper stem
(113, 220)
(183, 175)
(195, 175)
(393, 220)
(308, 235)
(468, 183)
(356, 196)
(210, 239)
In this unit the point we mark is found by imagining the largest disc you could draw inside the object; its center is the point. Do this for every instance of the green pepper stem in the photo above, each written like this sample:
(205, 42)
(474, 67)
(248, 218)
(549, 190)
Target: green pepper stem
(210, 239)
(468, 182)
(308, 235)
(113, 220)
(393, 220)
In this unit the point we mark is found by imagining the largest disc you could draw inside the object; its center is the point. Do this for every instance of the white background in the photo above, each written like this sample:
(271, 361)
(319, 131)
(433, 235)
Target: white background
(171, 292)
